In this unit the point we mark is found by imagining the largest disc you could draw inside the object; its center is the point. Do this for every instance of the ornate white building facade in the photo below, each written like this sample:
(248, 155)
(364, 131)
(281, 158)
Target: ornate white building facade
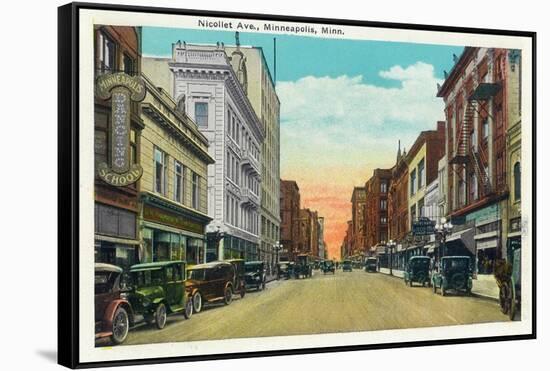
(212, 88)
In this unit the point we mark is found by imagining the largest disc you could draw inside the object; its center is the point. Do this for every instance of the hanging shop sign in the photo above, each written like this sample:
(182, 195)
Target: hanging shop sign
(423, 227)
(122, 89)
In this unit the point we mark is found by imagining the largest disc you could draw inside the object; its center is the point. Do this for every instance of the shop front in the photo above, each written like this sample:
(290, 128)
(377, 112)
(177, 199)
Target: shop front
(115, 227)
(171, 232)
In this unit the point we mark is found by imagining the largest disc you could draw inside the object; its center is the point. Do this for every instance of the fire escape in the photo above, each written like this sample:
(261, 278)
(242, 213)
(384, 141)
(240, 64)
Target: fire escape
(467, 153)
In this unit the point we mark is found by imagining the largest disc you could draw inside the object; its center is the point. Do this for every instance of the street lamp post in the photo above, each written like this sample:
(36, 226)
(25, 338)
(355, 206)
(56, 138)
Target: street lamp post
(442, 230)
(391, 245)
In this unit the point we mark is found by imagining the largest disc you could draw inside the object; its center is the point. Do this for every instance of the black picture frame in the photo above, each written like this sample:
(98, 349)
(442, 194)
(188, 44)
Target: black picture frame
(68, 180)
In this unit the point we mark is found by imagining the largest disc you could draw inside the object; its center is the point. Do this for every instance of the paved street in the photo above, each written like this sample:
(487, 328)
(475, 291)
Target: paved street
(356, 301)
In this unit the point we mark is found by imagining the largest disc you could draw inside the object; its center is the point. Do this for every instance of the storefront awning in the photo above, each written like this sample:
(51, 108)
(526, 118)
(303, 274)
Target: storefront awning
(465, 237)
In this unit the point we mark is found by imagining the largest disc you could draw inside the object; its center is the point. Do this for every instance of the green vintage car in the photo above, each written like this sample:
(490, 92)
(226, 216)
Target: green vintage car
(453, 273)
(417, 270)
(158, 289)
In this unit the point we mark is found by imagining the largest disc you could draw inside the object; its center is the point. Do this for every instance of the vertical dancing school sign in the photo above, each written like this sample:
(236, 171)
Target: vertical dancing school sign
(122, 89)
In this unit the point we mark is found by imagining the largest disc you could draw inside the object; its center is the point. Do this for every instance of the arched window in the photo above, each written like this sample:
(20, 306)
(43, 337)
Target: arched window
(517, 181)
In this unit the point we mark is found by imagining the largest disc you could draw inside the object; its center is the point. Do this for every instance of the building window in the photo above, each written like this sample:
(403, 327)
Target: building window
(383, 220)
(179, 177)
(421, 174)
(413, 182)
(201, 114)
(160, 171)
(421, 208)
(461, 193)
(383, 204)
(413, 214)
(107, 54)
(517, 181)
(383, 187)
(196, 190)
(129, 65)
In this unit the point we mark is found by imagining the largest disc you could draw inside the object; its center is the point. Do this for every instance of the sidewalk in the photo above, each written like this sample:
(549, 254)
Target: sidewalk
(485, 286)
(395, 272)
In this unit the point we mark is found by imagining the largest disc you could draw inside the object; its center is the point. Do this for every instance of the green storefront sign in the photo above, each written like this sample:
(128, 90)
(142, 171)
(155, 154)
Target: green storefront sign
(164, 217)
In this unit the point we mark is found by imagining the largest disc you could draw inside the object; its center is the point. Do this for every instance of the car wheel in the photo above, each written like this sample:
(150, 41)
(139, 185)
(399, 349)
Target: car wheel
(263, 285)
(160, 316)
(197, 302)
(242, 292)
(120, 326)
(410, 283)
(188, 312)
(228, 295)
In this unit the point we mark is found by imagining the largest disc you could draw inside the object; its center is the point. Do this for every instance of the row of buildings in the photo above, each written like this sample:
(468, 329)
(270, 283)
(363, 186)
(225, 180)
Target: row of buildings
(302, 230)
(186, 152)
(467, 170)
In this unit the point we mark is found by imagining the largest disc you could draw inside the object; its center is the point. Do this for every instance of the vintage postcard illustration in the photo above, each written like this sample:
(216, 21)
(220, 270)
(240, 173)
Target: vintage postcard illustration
(269, 180)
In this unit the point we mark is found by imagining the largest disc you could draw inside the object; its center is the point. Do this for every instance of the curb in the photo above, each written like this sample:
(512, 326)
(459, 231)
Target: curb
(484, 297)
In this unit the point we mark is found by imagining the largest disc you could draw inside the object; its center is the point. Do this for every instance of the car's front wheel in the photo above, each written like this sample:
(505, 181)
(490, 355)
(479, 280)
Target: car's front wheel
(160, 316)
(228, 295)
(120, 326)
(197, 302)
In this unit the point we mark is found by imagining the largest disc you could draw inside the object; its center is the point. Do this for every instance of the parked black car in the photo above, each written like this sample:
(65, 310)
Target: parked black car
(371, 264)
(417, 270)
(453, 273)
(255, 276)
(346, 266)
(284, 269)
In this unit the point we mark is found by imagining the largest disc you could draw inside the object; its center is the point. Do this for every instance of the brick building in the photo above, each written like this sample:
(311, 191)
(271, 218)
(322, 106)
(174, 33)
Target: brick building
(308, 235)
(358, 202)
(116, 238)
(376, 207)
(398, 199)
(290, 212)
(476, 94)
(345, 249)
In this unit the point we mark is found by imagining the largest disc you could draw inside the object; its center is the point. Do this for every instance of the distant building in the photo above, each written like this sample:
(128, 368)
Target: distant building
(358, 203)
(398, 199)
(289, 214)
(376, 208)
(322, 243)
(308, 241)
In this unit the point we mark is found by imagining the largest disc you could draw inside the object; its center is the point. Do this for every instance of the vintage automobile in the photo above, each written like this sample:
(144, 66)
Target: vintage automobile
(302, 266)
(284, 269)
(239, 284)
(158, 289)
(210, 282)
(417, 269)
(371, 264)
(453, 273)
(113, 312)
(346, 266)
(328, 266)
(255, 276)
